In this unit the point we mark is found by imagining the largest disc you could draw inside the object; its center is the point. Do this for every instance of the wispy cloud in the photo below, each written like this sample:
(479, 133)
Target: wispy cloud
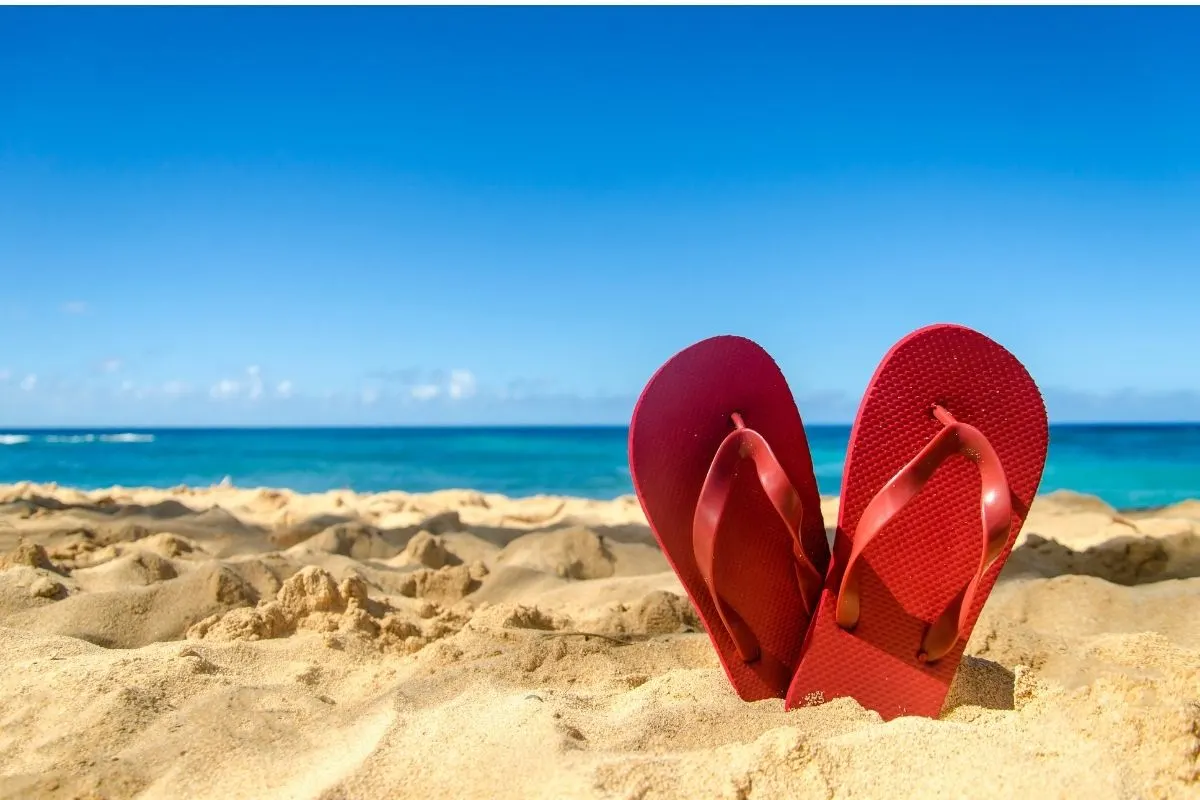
(461, 384)
(254, 382)
(284, 390)
(369, 396)
(524, 388)
(130, 389)
(406, 376)
(176, 389)
(111, 365)
(225, 389)
(29, 383)
(169, 390)
(1128, 405)
(425, 391)
(75, 307)
(425, 385)
(251, 387)
(4, 375)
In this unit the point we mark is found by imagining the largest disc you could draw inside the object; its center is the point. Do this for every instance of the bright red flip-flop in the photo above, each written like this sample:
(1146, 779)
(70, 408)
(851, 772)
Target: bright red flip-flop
(944, 459)
(722, 469)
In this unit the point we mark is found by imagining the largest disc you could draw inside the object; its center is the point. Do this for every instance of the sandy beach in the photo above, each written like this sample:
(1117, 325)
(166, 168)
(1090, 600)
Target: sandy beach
(259, 643)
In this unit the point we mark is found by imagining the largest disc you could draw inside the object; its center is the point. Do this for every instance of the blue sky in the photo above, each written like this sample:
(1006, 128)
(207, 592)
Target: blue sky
(266, 216)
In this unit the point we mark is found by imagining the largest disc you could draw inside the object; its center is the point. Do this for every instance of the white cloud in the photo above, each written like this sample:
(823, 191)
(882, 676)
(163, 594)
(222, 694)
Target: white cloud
(128, 387)
(462, 384)
(28, 384)
(228, 388)
(284, 389)
(255, 390)
(425, 385)
(111, 365)
(425, 391)
(225, 389)
(75, 307)
(170, 390)
(370, 396)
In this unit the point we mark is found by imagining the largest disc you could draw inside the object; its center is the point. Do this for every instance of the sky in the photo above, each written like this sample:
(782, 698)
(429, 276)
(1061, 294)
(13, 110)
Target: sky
(253, 216)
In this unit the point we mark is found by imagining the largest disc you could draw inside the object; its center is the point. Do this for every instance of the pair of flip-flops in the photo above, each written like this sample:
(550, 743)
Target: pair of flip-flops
(944, 459)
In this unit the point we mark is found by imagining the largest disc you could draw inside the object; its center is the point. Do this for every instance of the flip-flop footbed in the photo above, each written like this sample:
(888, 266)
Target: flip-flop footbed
(917, 563)
(680, 421)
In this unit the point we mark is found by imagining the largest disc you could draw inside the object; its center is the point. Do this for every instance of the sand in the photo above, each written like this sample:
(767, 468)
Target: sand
(261, 643)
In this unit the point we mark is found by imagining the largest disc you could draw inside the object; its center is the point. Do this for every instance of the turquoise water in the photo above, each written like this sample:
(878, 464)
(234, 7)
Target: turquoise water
(1129, 466)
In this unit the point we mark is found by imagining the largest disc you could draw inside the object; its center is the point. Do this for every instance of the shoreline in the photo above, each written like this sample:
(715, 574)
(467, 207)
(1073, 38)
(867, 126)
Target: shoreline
(1055, 496)
(230, 642)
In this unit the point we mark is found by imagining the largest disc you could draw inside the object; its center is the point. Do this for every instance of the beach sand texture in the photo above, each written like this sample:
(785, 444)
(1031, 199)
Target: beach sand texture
(260, 643)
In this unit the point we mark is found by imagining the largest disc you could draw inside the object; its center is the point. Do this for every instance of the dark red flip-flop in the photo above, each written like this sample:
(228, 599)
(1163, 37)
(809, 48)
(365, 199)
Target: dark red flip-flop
(722, 469)
(944, 459)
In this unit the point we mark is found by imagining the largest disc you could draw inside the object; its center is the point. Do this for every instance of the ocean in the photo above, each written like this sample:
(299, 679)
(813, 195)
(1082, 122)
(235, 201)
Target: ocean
(1129, 466)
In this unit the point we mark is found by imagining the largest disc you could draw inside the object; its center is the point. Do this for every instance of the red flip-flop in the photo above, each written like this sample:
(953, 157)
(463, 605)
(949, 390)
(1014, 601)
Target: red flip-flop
(722, 469)
(945, 457)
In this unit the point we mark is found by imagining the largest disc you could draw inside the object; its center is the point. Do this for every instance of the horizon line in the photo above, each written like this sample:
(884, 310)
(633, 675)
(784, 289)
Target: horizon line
(503, 426)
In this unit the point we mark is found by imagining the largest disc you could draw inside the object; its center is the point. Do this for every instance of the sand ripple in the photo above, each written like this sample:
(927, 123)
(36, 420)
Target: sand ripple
(261, 643)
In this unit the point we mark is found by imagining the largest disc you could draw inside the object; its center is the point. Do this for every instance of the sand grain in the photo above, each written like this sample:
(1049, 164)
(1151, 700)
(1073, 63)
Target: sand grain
(262, 643)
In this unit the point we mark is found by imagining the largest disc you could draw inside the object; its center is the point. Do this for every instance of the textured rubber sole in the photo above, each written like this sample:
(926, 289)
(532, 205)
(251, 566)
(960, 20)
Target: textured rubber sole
(679, 422)
(931, 550)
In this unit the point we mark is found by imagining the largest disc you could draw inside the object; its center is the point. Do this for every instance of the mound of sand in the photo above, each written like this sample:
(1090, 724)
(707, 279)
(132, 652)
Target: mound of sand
(262, 643)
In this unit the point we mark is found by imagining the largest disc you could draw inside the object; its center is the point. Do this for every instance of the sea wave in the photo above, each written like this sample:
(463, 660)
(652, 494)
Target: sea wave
(128, 438)
(83, 438)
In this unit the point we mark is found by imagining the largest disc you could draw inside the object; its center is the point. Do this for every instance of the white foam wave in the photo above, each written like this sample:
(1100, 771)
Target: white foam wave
(128, 438)
(87, 438)
(13, 438)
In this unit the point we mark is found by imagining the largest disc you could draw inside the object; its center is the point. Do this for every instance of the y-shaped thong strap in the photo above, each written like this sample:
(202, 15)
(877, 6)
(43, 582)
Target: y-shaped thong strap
(956, 438)
(742, 443)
